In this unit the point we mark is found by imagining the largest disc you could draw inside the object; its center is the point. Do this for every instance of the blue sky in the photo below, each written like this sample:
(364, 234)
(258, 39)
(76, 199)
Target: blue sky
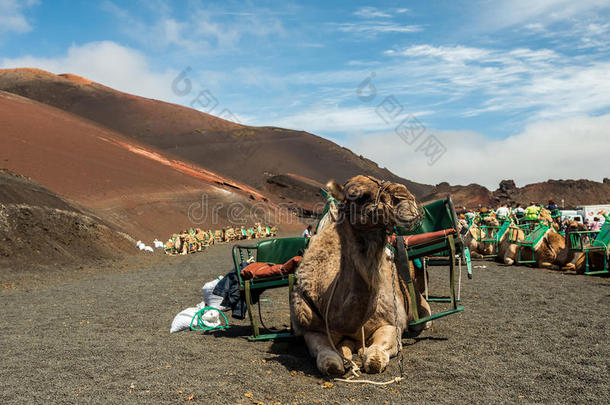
(508, 89)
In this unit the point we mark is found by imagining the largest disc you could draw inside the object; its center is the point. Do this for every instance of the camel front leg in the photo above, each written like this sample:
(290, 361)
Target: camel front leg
(347, 347)
(549, 265)
(327, 360)
(377, 355)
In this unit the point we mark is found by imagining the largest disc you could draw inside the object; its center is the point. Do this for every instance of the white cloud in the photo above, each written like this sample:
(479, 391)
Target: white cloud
(325, 119)
(328, 119)
(108, 63)
(570, 148)
(12, 18)
(538, 13)
(371, 12)
(374, 12)
(509, 80)
(376, 27)
(449, 54)
(203, 30)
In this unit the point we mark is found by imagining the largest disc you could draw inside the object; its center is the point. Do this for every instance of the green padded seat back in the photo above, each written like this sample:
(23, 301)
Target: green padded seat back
(603, 237)
(537, 234)
(503, 229)
(437, 216)
(280, 250)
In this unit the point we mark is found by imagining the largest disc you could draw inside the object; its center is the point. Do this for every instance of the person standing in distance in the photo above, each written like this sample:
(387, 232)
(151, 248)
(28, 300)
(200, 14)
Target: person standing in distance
(307, 232)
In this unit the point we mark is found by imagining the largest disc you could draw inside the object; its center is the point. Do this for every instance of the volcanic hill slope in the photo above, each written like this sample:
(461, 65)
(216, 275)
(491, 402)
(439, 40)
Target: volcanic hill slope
(572, 192)
(135, 187)
(37, 226)
(247, 154)
(284, 166)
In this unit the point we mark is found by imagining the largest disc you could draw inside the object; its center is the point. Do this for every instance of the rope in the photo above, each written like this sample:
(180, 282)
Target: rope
(392, 381)
(425, 265)
(459, 278)
(355, 370)
(199, 320)
(398, 331)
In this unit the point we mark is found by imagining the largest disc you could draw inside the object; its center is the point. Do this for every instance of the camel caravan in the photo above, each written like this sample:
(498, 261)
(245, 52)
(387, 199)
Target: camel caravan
(196, 240)
(537, 236)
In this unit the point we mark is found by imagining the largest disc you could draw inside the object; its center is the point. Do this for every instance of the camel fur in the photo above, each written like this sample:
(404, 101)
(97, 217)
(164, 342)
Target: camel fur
(351, 252)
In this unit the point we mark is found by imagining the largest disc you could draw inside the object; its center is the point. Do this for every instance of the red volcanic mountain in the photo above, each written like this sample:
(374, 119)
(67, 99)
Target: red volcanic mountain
(572, 192)
(142, 163)
(247, 154)
(141, 190)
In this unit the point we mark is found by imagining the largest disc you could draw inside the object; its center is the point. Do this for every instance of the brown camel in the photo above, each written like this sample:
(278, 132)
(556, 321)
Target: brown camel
(345, 278)
(508, 250)
(477, 248)
(554, 252)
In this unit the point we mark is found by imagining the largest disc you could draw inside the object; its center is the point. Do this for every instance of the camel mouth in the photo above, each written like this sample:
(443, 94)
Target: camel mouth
(408, 215)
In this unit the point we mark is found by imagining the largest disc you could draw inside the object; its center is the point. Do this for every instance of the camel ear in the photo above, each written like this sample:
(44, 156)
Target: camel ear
(336, 190)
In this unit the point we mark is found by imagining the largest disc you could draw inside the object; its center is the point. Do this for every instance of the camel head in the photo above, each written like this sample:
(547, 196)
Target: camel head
(491, 220)
(574, 226)
(369, 203)
(545, 217)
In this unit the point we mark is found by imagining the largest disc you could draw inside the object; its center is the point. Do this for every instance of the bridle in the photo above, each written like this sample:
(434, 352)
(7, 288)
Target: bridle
(382, 185)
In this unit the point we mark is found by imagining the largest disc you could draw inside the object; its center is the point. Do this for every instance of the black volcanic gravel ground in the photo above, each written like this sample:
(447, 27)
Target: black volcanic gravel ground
(101, 335)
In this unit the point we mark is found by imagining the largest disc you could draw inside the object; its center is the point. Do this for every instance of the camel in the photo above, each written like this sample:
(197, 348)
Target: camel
(258, 230)
(551, 251)
(546, 219)
(471, 240)
(211, 237)
(230, 234)
(170, 245)
(472, 234)
(180, 243)
(507, 250)
(345, 278)
(202, 238)
(219, 236)
(554, 253)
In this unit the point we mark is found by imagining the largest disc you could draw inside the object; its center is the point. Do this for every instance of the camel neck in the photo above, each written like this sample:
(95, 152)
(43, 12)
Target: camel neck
(366, 248)
(360, 275)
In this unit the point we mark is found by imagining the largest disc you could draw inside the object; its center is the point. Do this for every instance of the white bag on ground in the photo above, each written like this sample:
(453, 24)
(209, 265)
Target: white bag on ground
(210, 318)
(182, 321)
(212, 300)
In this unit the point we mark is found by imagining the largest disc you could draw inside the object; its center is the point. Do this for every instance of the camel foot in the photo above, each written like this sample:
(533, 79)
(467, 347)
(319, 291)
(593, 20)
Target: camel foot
(508, 261)
(346, 351)
(375, 359)
(330, 363)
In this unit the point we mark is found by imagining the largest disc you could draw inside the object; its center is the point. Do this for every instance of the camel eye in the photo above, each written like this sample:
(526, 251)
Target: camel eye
(355, 193)
(397, 199)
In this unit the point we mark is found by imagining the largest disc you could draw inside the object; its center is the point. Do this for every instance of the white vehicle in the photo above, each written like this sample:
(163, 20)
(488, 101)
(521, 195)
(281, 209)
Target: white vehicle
(572, 215)
(591, 211)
